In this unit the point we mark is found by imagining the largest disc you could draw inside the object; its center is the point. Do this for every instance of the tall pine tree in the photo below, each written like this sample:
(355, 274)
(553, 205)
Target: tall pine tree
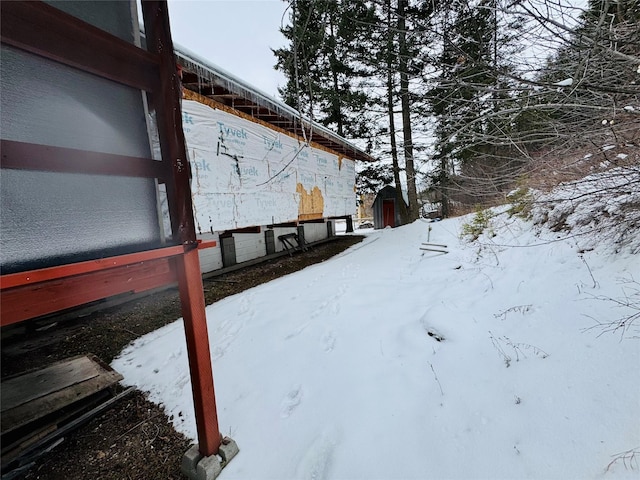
(323, 62)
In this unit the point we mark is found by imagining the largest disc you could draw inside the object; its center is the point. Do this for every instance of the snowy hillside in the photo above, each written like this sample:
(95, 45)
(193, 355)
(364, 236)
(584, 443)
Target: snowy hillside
(391, 362)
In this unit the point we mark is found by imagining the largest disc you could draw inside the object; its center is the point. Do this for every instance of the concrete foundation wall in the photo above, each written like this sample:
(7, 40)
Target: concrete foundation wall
(315, 231)
(210, 258)
(249, 246)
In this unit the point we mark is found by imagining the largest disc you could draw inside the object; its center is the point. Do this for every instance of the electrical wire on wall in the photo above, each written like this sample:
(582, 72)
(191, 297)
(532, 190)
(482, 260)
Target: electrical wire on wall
(304, 145)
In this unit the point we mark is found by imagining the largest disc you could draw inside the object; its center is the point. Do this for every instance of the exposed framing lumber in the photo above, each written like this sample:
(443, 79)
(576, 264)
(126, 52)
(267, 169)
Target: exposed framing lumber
(225, 84)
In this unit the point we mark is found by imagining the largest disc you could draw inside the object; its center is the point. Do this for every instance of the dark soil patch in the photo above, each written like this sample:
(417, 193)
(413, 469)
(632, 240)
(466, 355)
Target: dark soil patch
(134, 439)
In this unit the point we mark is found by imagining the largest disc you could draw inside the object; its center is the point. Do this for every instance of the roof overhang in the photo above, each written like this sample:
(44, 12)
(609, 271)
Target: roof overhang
(209, 80)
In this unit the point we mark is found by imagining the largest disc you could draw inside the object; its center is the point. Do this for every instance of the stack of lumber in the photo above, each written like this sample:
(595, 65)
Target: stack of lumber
(39, 407)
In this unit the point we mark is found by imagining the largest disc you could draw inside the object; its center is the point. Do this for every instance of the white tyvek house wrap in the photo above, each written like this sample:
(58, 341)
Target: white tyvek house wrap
(245, 174)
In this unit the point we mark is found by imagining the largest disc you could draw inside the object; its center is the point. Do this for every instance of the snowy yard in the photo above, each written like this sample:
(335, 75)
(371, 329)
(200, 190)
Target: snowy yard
(391, 362)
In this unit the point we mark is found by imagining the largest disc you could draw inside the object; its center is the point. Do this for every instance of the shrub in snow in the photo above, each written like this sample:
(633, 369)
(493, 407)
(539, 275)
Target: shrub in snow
(478, 224)
(521, 201)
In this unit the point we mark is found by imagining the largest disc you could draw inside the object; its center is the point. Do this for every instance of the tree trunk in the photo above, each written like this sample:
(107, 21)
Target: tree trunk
(444, 188)
(406, 113)
(400, 205)
(335, 102)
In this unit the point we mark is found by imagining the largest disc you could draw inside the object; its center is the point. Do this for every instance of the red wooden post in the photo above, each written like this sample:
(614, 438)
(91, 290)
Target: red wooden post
(169, 117)
(195, 327)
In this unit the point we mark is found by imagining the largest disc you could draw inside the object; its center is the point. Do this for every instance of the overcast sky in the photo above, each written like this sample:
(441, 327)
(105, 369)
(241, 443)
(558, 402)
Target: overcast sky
(235, 35)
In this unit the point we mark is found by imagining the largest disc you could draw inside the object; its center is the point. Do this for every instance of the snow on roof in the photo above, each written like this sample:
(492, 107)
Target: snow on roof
(219, 77)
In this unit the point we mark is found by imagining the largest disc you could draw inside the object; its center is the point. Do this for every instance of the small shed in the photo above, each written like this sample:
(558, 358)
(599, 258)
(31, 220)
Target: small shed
(385, 211)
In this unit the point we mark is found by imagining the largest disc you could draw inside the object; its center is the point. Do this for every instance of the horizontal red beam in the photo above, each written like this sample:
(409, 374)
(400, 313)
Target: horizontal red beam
(35, 293)
(30, 156)
(47, 31)
(56, 273)
(31, 301)
(202, 244)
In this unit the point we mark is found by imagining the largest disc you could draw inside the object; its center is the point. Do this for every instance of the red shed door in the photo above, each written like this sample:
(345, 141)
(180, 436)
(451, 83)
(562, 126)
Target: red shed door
(388, 213)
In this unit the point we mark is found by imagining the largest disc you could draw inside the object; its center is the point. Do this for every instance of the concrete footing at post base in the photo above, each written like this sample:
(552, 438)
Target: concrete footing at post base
(198, 467)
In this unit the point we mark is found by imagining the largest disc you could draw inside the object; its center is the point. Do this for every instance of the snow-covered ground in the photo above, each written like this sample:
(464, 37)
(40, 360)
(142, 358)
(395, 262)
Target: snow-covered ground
(392, 362)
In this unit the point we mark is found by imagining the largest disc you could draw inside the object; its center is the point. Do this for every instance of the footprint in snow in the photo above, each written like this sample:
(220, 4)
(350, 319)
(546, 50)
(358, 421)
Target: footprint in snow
(322, 308)
(291, 401)
(316, 461)
(297, 331)
(327, 308)
(246, 307)
(328, 341)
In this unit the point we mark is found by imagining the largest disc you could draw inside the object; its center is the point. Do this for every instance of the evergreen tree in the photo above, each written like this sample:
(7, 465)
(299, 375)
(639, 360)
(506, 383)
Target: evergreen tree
(324, 63)
(400, 56)
(373, 177)
(352, 66)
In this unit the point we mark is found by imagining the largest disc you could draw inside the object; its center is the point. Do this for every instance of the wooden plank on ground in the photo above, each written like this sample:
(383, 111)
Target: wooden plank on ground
(26, 398)
(28, 387)
(433, 250)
